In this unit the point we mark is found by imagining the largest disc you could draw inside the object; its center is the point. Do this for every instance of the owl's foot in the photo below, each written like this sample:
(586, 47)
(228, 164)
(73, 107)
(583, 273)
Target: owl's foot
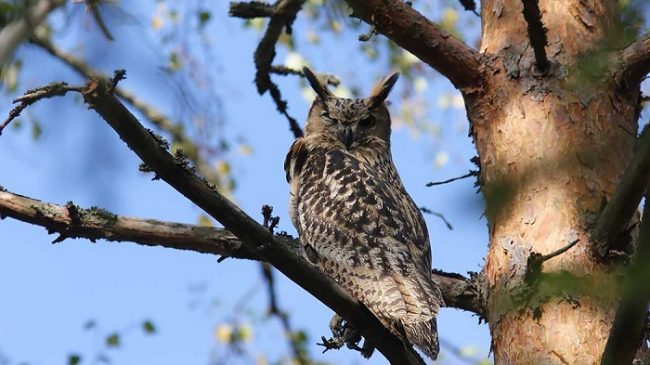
(344, 334)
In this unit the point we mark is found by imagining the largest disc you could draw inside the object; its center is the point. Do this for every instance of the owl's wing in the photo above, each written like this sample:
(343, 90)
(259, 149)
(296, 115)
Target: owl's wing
(361, 227)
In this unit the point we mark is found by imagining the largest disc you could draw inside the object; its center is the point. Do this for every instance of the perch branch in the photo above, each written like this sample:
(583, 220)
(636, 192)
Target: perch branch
(634, 62)
(619, 211)
(253, 235)
(632, 313)
(536, 33)
(402, 24)
(96, 223)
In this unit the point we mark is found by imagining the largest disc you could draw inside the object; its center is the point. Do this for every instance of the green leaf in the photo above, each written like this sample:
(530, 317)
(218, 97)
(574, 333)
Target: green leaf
(148, 327)
(204, 18)
(74, 359)
(113, 340)
(37, 130)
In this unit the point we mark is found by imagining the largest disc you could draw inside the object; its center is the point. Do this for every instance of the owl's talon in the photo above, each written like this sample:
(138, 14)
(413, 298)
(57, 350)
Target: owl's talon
(343, 333)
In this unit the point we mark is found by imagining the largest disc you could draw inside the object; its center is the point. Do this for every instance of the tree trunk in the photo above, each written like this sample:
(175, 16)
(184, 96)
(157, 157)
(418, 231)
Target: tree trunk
(552, 147)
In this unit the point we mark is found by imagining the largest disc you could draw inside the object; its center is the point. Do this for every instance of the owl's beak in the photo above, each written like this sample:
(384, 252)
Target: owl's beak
(348, 136)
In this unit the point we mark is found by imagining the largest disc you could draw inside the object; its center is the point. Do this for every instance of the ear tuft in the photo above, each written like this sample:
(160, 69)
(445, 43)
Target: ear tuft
(381, 90)
(321, 90)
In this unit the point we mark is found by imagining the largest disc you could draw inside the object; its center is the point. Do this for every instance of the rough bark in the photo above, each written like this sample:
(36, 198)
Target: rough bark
(552, 148)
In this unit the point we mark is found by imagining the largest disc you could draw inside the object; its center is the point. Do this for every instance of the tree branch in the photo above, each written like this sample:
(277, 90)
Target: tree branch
(632, 313)
(251, 10)
(16, 31)
(254, 236)
(282, 15)
(162, 122)
(618, 212)
(86, 71)
(536, 33)
(402, 24)
(96, 223)
(634, 62)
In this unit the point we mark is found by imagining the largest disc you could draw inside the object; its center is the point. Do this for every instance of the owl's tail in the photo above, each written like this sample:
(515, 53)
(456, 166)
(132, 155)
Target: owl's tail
(424, 335)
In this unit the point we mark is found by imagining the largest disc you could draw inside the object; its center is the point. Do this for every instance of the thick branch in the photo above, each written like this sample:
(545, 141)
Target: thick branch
(96, 223)
(536, 33)
(617, 214)
(16, 31)
(254, 236)
(631, 316)
(398, 21)
(635, 62)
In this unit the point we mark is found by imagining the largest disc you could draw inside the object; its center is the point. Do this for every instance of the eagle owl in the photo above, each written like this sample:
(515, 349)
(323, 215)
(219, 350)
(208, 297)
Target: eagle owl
(355, 219)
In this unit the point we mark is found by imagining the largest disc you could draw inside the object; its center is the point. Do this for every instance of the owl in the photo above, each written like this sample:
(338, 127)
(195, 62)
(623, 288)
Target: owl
(356, 221)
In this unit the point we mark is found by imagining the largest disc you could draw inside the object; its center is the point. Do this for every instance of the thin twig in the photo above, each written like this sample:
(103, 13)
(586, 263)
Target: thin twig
(283, 15)
(469, 174)
(32, 96)
(94, 10)
(439, 215)
(535, 261)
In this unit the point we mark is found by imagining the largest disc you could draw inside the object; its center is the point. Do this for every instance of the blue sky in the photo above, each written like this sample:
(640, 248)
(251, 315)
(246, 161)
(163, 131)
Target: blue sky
(49, 291)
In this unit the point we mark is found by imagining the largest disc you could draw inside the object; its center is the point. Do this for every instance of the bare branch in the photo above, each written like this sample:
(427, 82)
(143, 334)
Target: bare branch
(283, 14)
(32, 96)
(398, 21)
(18, 30)
(97, 223)
(632, 313)
(469, 174)
(618, 212)
(535, 261)
(94, 10)
(86, 71)
(536, 33)
(162, 122)
(634, 62)
(253, 235)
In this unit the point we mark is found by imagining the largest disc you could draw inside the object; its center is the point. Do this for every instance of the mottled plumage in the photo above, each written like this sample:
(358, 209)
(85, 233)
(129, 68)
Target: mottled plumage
(356, 222)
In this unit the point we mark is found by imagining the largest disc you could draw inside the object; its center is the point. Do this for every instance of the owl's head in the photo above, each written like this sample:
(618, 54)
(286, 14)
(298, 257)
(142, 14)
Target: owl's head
(350, 120)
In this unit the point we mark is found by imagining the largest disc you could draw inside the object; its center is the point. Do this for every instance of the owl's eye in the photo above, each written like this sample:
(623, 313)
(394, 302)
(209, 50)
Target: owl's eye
(368, 121)
(327, 119)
